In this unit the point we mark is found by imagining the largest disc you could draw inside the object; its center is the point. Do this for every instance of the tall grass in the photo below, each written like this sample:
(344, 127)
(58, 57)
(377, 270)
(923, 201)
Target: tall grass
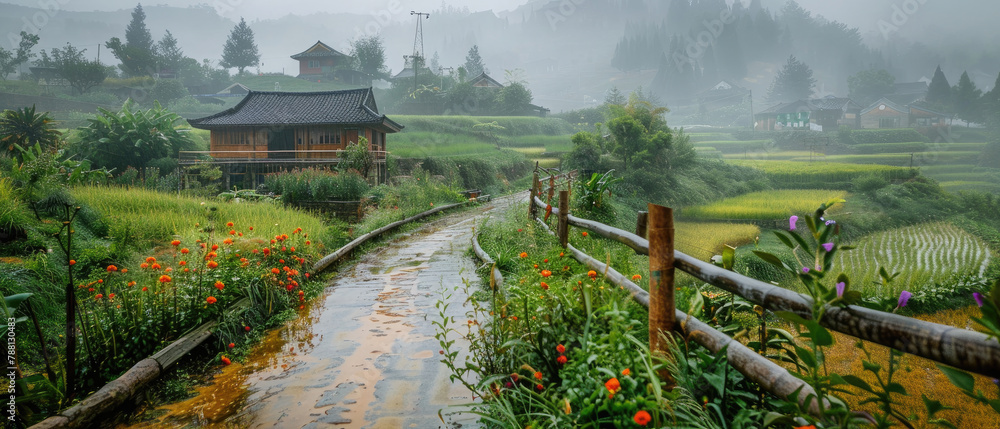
(905, 159)
(763, 205)
(141, 219)
(822, 175)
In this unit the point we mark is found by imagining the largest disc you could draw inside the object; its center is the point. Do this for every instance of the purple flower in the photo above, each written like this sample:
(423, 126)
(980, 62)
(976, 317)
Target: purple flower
(791, 222)
(904, 297)
(979, 298)
(828, 247)
(840, 289)
(805, 270)
(830, 222)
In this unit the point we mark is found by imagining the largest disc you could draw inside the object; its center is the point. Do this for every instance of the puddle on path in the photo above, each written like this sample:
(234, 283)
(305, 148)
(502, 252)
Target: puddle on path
(363, 355)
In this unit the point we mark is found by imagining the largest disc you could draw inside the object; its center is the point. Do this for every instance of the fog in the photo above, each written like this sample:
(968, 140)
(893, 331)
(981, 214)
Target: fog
(571, 52)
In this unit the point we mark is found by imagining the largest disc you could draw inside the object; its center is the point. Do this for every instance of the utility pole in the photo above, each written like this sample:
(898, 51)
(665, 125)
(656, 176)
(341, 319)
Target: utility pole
(418, 46)
(753, 122)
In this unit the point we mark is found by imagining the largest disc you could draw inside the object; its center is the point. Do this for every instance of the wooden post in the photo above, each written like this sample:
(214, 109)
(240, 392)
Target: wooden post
(563, 226)
(552, 188)
(662, 316)
(532, 210)
(640, 224)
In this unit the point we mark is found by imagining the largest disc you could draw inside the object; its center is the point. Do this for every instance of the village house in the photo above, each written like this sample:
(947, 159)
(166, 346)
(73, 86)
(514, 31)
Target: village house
(321, 61)
(821, 114)
(274, 131)
(885, 113)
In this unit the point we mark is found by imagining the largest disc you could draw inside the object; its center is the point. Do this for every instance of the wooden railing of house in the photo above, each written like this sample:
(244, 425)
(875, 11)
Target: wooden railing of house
(961, 348)
(269, 156)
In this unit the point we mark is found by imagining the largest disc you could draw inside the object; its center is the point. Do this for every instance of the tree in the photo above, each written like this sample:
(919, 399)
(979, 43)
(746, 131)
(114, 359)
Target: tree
(793, 82)
(170, 55)
(369, 57)
(138, 53)
(615, 97)
(132, 137)
(966, 100)
(866, 86)
(513, 99)
(939, 91)
(474, 65)
(81, 73)
(10, 61)
(359, 157)
(23, 127)
(240, 50)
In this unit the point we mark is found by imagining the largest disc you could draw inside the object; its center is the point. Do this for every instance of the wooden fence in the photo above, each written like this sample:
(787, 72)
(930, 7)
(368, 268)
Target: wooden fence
(961, 348)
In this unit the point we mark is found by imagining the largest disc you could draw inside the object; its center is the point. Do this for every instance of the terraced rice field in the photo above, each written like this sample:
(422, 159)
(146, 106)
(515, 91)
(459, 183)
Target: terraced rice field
(924, 254)
(703, 240)
(764, 205)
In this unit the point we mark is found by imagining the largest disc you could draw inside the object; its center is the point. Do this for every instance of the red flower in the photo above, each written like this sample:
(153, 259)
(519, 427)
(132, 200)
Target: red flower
(546, 273)
(182, 263)
(176, 243)
(150, 260)
(215, 247)
(211, 300)
(156, 266)
(584, 233)
(561, 359)
(806, 427)
(523, 254)
(561, 349)
(546, 260)
(99, 296)
(231, 345)
(226, 361)
(112, 268)
(592, 274)
(539, 387)
(514, 376)
(247, 328)
(626, 371)
(232, 232)
(212, 264)
(613, 386)
(72, 261)
(165, 279)
(545, 286)
(111, 296)
(642, 418)
(229, 224)
(538, 375)
(275, 271)
(251, 228)
(185, 251)
(636, 278)
(219, 285)
(144, 288)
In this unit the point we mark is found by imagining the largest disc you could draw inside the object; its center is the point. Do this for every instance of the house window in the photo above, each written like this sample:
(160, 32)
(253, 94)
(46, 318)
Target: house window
(313, 64)
(888, 123)
(328, 137)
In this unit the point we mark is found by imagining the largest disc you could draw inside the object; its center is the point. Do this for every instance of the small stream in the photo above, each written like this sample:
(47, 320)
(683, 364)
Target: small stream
(361, 356)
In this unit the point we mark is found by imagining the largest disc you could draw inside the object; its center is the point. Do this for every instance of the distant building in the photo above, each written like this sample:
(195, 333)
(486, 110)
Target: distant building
(485, 81)
(320, 59)
(908, 92)
(273, 131)
(886, 113)
(820, 114)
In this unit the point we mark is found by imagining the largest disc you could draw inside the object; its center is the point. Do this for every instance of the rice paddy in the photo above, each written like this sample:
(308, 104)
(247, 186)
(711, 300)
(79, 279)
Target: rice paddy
(822, 174)
(764, 205)
(923, 254)
(703, 240)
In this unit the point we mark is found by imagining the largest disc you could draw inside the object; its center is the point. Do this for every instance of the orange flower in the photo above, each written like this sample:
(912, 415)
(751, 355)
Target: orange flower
(176, 243)
(215, 247)
(561, 349)
(165, 279)
(275, 271)
(546, 260)
(561, 254)
(584, 233)
(229, 224)
(130, 284)
(143, 265)
(232, 232)
(111, 296)
(168, 270)
(212, 264)
(536, 266)
(642, 418)
(251, 228)
(155, 266)
(524, 254)
(626, 371)
(150, 260)
(227, 241)
(144, 288)
(806, 427)
(182, 263)
(546, 273)
(308, 242)
(545, 286)
(538, 375)
(72, 261)
(112, 268)
(592, 274)
(124, 270)
(185, 251)
(219, 285)
(211, 300)
(561, 359)
(231, 345)
(613, 386)
(636, 277)
(226, 361)
(99, 296)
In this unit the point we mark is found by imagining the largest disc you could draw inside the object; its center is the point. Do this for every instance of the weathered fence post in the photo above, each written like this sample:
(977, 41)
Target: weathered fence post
(563, 226)
(640, 224)
(552, 188)
(662, 316)
(532, 213)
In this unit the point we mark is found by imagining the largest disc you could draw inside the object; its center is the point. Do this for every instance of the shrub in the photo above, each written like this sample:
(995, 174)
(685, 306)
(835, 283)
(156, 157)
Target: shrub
(887, 136)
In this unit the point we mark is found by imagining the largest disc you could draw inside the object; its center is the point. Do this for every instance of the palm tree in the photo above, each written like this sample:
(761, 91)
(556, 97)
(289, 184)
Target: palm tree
(24, 127)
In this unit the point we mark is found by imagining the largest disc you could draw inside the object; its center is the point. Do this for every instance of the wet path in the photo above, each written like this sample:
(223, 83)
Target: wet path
(363, 355)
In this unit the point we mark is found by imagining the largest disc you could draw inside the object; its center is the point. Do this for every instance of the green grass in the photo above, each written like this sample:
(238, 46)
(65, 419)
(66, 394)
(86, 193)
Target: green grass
(423, 144)
(924, 254)
(736, 146)
(764, 205)
(904, 159)
(147, 219)
(821, 174)
(965, 185)
(514, 126)
(911, 147)
(700, 137)
(777, 155)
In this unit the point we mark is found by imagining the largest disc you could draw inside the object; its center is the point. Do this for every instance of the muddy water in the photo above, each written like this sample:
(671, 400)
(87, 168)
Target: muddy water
(362, 356)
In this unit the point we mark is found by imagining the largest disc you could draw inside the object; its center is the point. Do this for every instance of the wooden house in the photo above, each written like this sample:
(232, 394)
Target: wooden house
(319, 60)
(273, 131)
(821, 114)
(885, 113)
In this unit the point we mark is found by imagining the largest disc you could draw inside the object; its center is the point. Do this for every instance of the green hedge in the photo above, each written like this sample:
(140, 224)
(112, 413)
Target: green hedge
(317, 185)
(901, 135)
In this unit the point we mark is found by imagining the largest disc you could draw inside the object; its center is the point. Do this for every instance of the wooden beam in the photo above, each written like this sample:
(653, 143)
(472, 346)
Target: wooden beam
(563, 227)
(661, 276)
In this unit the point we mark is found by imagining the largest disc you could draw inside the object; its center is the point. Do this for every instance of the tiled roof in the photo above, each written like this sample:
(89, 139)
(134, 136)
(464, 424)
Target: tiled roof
(260, 108)
(323, 51)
